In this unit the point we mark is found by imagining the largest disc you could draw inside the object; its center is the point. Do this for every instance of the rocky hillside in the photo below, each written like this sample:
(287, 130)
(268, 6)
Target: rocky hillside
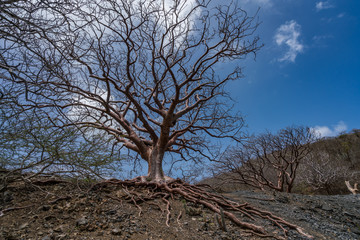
(75, 210)
(330, 163)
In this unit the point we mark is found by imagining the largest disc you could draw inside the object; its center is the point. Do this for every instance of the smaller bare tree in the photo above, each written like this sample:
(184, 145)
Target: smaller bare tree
(322, 172)
(267, 161)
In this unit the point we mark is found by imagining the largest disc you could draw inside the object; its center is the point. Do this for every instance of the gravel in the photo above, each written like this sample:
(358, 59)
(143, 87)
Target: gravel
(324, 217)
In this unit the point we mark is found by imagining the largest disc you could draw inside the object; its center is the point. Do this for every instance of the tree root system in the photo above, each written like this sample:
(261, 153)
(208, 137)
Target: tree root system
(201, 196)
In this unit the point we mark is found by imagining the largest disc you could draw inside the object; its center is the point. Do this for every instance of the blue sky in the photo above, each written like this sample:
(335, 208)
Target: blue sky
(308, 72)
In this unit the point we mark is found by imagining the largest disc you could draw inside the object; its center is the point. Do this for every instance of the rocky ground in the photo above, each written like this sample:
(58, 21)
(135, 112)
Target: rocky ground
(324, 217)
(62, 210)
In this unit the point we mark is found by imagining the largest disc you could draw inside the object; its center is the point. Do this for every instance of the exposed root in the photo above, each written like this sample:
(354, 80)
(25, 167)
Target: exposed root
(164, 199)
(179, 217)
(145, 179)
(2, 212)
(60, 199)
(197, 195)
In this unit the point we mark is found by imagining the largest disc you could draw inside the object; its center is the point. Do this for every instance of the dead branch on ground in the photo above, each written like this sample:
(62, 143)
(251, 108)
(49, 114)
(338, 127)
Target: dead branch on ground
(354, 189)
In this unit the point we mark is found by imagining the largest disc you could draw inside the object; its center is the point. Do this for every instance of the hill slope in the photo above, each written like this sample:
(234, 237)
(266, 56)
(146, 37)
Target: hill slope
(330, 163)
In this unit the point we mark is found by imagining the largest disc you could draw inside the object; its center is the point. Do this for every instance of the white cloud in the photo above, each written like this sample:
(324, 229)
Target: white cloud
(323, 5)
(325, 131)
(288, 34)
(340, 127)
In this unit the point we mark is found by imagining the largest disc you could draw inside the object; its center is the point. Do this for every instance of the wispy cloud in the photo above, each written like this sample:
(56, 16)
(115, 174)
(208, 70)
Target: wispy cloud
(323, 5)
(341, 15)
(325, 131)
(288, 35)
(261, 3)
(321, 40)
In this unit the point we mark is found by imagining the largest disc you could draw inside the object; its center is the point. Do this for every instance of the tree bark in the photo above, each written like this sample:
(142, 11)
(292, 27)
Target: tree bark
(155, 170)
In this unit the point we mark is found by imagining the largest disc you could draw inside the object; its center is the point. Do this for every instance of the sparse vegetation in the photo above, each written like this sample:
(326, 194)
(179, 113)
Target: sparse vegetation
(267, 161)
(323, 170)
(32, 145)
(332, 161)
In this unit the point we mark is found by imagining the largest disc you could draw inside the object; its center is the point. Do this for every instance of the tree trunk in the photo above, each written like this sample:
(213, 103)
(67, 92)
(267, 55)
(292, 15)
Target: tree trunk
(155, 171)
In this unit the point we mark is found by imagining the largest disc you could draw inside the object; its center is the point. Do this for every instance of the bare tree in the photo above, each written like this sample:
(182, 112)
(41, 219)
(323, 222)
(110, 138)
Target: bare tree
(267, 161)
(146, 72)
(330, 163)
(149, 73)
(321, 172)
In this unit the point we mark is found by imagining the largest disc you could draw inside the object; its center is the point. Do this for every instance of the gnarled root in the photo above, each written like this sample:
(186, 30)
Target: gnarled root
(197, 195)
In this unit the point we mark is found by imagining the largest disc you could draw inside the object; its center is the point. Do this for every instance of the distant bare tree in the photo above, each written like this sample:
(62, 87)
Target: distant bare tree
(321, 172)
(146, 72)
(331, 162)
(267, 161)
